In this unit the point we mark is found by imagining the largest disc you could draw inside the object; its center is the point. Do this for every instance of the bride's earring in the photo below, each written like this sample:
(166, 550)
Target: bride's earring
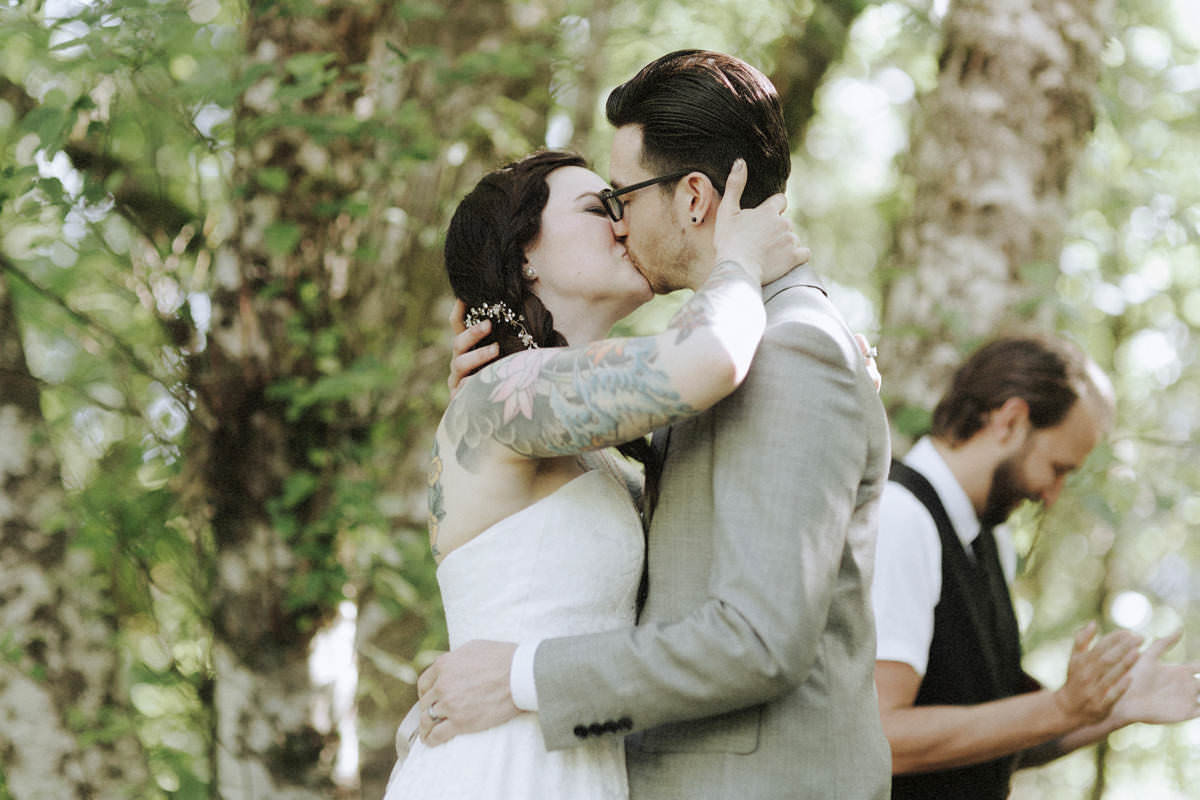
(529, 272)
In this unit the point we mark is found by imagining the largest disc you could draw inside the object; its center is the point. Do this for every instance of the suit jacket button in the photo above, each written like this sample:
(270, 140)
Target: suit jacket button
(595, 729)
(625, 723)
(581, 731)
(611, 726)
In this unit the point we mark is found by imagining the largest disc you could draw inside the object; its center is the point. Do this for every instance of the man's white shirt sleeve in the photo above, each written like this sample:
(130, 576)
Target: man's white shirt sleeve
(908, 579)
(521, 683)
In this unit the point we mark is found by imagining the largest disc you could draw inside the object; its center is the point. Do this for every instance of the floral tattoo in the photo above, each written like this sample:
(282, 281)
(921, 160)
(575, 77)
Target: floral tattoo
(698, 312)
(437, 504)
(556, 402)
(548, 403)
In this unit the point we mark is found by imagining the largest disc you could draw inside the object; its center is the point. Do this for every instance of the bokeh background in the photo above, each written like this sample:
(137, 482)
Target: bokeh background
(223, 337)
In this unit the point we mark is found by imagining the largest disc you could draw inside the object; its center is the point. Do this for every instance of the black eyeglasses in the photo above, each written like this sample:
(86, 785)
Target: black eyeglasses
(611, 198)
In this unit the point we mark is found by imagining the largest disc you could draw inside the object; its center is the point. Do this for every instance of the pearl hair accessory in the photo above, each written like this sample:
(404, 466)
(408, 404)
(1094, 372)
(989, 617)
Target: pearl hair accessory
(500, 312)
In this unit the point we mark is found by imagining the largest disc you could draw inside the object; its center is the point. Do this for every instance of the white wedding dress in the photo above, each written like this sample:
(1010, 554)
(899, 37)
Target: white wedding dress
(568, 564)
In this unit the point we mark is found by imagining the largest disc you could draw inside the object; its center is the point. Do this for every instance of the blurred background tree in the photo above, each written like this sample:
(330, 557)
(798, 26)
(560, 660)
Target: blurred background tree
(224, 340)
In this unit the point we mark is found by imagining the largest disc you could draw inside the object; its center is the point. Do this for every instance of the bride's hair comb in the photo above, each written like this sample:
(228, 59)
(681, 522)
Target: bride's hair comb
(500, 312)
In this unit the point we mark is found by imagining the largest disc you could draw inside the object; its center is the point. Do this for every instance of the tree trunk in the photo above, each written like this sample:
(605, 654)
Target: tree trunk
(60, 685)
(993, 150)
(284, 267)
(591, 72)
(402, 297)
(804, 55)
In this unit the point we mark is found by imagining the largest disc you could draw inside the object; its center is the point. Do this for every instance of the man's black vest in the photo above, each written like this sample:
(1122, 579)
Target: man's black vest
(975, 655)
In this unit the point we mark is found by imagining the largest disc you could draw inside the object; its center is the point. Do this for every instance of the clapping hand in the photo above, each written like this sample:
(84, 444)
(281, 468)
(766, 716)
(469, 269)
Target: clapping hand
(1098, 674)
(1158, 692)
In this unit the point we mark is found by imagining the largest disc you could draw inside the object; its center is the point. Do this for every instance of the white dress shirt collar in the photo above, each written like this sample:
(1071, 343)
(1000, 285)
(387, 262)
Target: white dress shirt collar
(924, 458)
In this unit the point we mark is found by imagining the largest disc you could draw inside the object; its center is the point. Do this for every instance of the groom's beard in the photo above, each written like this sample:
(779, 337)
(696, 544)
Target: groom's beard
(637, 264)
(672, 262)
(1006, 493)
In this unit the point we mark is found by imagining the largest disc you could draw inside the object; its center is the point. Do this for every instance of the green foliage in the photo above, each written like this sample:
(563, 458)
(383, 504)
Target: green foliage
(273, 179)
(141, 108)
(911, 421)
(282, 238)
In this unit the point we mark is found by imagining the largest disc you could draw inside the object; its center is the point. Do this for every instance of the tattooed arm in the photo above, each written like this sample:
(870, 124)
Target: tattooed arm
(562, 401)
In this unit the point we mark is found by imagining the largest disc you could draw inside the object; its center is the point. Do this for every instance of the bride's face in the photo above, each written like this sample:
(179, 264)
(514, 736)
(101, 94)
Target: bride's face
(576, 254)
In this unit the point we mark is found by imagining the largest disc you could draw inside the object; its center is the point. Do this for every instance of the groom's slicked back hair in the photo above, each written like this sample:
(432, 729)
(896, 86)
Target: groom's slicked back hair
(701, 110)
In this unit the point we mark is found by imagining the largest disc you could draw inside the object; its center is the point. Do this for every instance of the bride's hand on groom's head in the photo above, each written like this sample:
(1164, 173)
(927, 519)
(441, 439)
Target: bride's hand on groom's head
(761, 239)
(463, 360)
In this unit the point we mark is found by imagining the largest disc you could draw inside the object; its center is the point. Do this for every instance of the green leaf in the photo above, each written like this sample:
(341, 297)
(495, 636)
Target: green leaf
(297, 488)
(420, 10)
(912, 420)
(282, 238)
(48, 123)
(273, 179)
(52, 188)
(309, 65)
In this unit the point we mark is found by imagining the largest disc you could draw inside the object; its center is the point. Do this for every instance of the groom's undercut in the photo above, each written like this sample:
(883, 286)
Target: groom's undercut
(702, 110)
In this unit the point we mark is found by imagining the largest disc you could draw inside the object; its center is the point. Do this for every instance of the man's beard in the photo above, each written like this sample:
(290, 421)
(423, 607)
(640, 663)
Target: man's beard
(671, 270)
(1006, 493)
(652, 278)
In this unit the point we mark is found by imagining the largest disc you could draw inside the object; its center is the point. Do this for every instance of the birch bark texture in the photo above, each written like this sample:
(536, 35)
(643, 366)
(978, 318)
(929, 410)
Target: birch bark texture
(353, 140)
(278, 276)
(59, 668)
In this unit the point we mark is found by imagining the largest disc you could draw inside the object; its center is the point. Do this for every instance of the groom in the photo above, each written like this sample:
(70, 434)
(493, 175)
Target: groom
(750, 673)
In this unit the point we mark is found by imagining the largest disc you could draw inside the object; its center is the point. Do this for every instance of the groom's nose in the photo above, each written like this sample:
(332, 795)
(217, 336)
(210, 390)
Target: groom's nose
(621, 228)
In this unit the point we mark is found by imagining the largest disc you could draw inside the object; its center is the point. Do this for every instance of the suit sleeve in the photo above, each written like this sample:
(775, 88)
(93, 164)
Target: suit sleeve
(782, 509)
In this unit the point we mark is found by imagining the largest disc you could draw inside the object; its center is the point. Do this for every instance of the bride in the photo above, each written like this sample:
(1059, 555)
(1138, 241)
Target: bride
(532, 517)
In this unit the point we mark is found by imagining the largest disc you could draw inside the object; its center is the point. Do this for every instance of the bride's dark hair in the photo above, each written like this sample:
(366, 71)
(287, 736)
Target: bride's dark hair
(486, 242)
(485, 252)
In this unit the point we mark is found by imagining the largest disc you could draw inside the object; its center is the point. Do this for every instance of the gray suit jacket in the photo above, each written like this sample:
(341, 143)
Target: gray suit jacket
(751, 672)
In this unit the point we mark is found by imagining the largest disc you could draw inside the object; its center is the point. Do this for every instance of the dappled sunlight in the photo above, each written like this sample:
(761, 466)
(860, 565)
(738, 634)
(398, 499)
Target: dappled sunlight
(221, 238)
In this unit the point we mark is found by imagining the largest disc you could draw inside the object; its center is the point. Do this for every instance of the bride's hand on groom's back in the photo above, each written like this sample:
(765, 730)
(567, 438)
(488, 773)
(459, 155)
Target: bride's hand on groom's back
(463, 360)
(869, 352)
(466, 690)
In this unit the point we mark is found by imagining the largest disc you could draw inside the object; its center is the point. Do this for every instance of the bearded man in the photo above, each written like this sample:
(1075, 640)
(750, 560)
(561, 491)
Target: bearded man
(959, 713)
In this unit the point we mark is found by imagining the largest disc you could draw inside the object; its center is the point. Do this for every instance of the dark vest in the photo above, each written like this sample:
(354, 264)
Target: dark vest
(975, 655)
